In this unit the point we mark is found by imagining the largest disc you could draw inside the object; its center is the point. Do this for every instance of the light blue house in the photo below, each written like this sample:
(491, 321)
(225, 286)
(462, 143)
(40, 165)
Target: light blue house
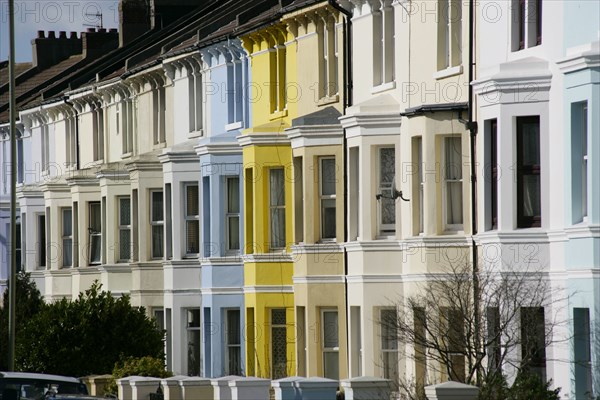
(581, 69)
(221, 209)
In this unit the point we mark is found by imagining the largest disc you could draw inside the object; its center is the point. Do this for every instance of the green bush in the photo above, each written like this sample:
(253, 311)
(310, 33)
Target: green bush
(142, 366)
(526, 387)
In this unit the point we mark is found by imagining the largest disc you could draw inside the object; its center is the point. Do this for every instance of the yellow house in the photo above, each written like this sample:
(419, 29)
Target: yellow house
(267, 157)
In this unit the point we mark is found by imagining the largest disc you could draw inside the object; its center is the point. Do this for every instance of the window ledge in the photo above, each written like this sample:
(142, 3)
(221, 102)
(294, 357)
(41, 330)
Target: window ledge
(233, 126)
(383, 87)
(159, 146)
(326, 100)
(278, 114)
(126, 155)
(448, 72)
(389, 236)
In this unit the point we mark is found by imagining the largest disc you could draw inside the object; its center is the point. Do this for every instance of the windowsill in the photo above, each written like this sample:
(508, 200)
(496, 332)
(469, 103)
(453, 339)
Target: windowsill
(278, 114)
(327, 241)
(450, 231)
(383, 87)
(196, 134)
(326, 100)
(126, 155)
(96, 163)
(448, 72)
(157, 146)
(191, 256)
(386, 236)
(233, 126)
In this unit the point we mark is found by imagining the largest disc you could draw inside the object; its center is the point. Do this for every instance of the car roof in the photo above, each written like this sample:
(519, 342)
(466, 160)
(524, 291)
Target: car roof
(45, 377)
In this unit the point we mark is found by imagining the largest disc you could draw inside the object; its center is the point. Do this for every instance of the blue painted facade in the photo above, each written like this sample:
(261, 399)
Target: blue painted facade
(581, 67)
(221, 163)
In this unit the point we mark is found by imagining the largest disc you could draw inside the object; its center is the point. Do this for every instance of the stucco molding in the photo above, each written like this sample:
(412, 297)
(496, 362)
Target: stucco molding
(384, 245)
(533, 235)
(263, 139)
(583, 231)
(318, 279)
(317, 135)
(269, 289)
(581, 57)
(227, 261)
(267, 258)
(220, 148)
(222, 291)
(317, 248)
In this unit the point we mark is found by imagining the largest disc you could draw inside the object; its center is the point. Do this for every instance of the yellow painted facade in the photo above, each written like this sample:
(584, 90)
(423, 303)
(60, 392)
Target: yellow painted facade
(267, 270)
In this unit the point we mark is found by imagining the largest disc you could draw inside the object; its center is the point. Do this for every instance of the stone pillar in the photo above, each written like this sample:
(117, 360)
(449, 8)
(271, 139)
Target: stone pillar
(97, 384)
(171, 387)
(285, 389)
(367, 388)
(317, 388)
(124, 388)
(249, 388)
(221, 388)
(195, 388)
(451, 391)
(141, 387)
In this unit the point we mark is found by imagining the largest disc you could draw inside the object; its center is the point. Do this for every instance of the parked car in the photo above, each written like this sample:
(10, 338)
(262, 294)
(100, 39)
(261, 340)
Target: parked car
(30, 386)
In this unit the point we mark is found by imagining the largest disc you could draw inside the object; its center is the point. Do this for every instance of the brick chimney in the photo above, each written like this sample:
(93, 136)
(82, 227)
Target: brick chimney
(50, 50)
(134, 20)
(99, 42)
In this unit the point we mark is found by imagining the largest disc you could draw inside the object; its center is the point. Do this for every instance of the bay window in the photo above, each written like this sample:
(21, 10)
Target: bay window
(157, 223)
(95, 232)
(387, 205)
(124, 228)
(327, 195)
(192, 219)
(330, 343)
(389, 343)
(277, 208)
(67, 237)
(528, 172)
(232, 215)
(233, 344)
(453, 185)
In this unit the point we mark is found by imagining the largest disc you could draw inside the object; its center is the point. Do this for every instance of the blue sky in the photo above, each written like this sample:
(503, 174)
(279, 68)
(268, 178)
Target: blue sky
(60, 15)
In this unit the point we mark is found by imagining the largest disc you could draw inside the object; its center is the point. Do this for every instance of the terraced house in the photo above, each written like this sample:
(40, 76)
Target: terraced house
(272, 180)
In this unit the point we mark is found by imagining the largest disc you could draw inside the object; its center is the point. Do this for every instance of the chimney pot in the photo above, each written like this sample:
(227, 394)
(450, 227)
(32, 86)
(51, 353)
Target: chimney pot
(41, 34)
(73, 35)
(51, 35)
(91, 30)
(113, 30)
(62, 34)
(101, 30)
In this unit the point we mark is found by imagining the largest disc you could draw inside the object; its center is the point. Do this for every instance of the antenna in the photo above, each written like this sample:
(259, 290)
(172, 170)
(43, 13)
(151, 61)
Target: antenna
(391, 193)
(98, 16)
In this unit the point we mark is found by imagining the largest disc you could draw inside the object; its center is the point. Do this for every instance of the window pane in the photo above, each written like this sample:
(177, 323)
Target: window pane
(531, 196)
(95, 217)
(530, 139)
(453, 154)
(330, 329)
(454, 203)
(194, 352)
(387, 172)
(279, 350)
(387, 165)
(124, 244)
(192, 200)
(234, 232)
(328, 176)
(193, 318)
(125, 213)
(95, 244)
(278, 317)
(277, 195)
(157, 206)
(233, 195)
(388, 211)
(389, 337)
(193, 237)
(67, 252)
(233, 327)
(390, 365)
(278, 228)
(67, 222)
(331, 365)
(157, 241)
(328, 218)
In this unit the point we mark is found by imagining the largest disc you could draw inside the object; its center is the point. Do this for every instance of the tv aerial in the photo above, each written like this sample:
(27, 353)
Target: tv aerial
(99, 17)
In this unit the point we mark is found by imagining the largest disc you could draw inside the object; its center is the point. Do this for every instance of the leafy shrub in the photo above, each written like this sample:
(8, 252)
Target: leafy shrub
(141, 366)
(526, 387)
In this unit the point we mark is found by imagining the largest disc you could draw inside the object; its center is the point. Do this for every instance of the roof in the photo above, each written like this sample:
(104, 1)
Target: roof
(45, 377)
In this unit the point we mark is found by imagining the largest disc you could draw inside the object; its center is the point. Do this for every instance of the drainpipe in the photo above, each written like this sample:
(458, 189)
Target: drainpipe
(472, 127)
(66, 100)
(347, 67)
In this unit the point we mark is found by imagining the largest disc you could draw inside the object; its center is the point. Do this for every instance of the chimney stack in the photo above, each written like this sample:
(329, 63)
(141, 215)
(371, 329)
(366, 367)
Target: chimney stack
(49, 50)
(134, 20)
(98, 43)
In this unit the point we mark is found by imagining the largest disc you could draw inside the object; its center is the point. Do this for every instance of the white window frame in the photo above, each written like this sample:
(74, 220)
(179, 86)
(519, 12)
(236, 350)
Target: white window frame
(193, 330)
(229, 215)
(273, 327)
(384, 350)
(92, 234)
(445, 187)
(123, 227)
(329, 350)
(157, 223)
(273, 208)
(195, 106)
(98, 132)
(420, 184)
(449, 34)
(383, 44)
(323, 198)
(528, 21)
(229, 346)
(385, 230)
(190, 217)
(584, 161)
(159, 105)
(128, 115)
(65, 237)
